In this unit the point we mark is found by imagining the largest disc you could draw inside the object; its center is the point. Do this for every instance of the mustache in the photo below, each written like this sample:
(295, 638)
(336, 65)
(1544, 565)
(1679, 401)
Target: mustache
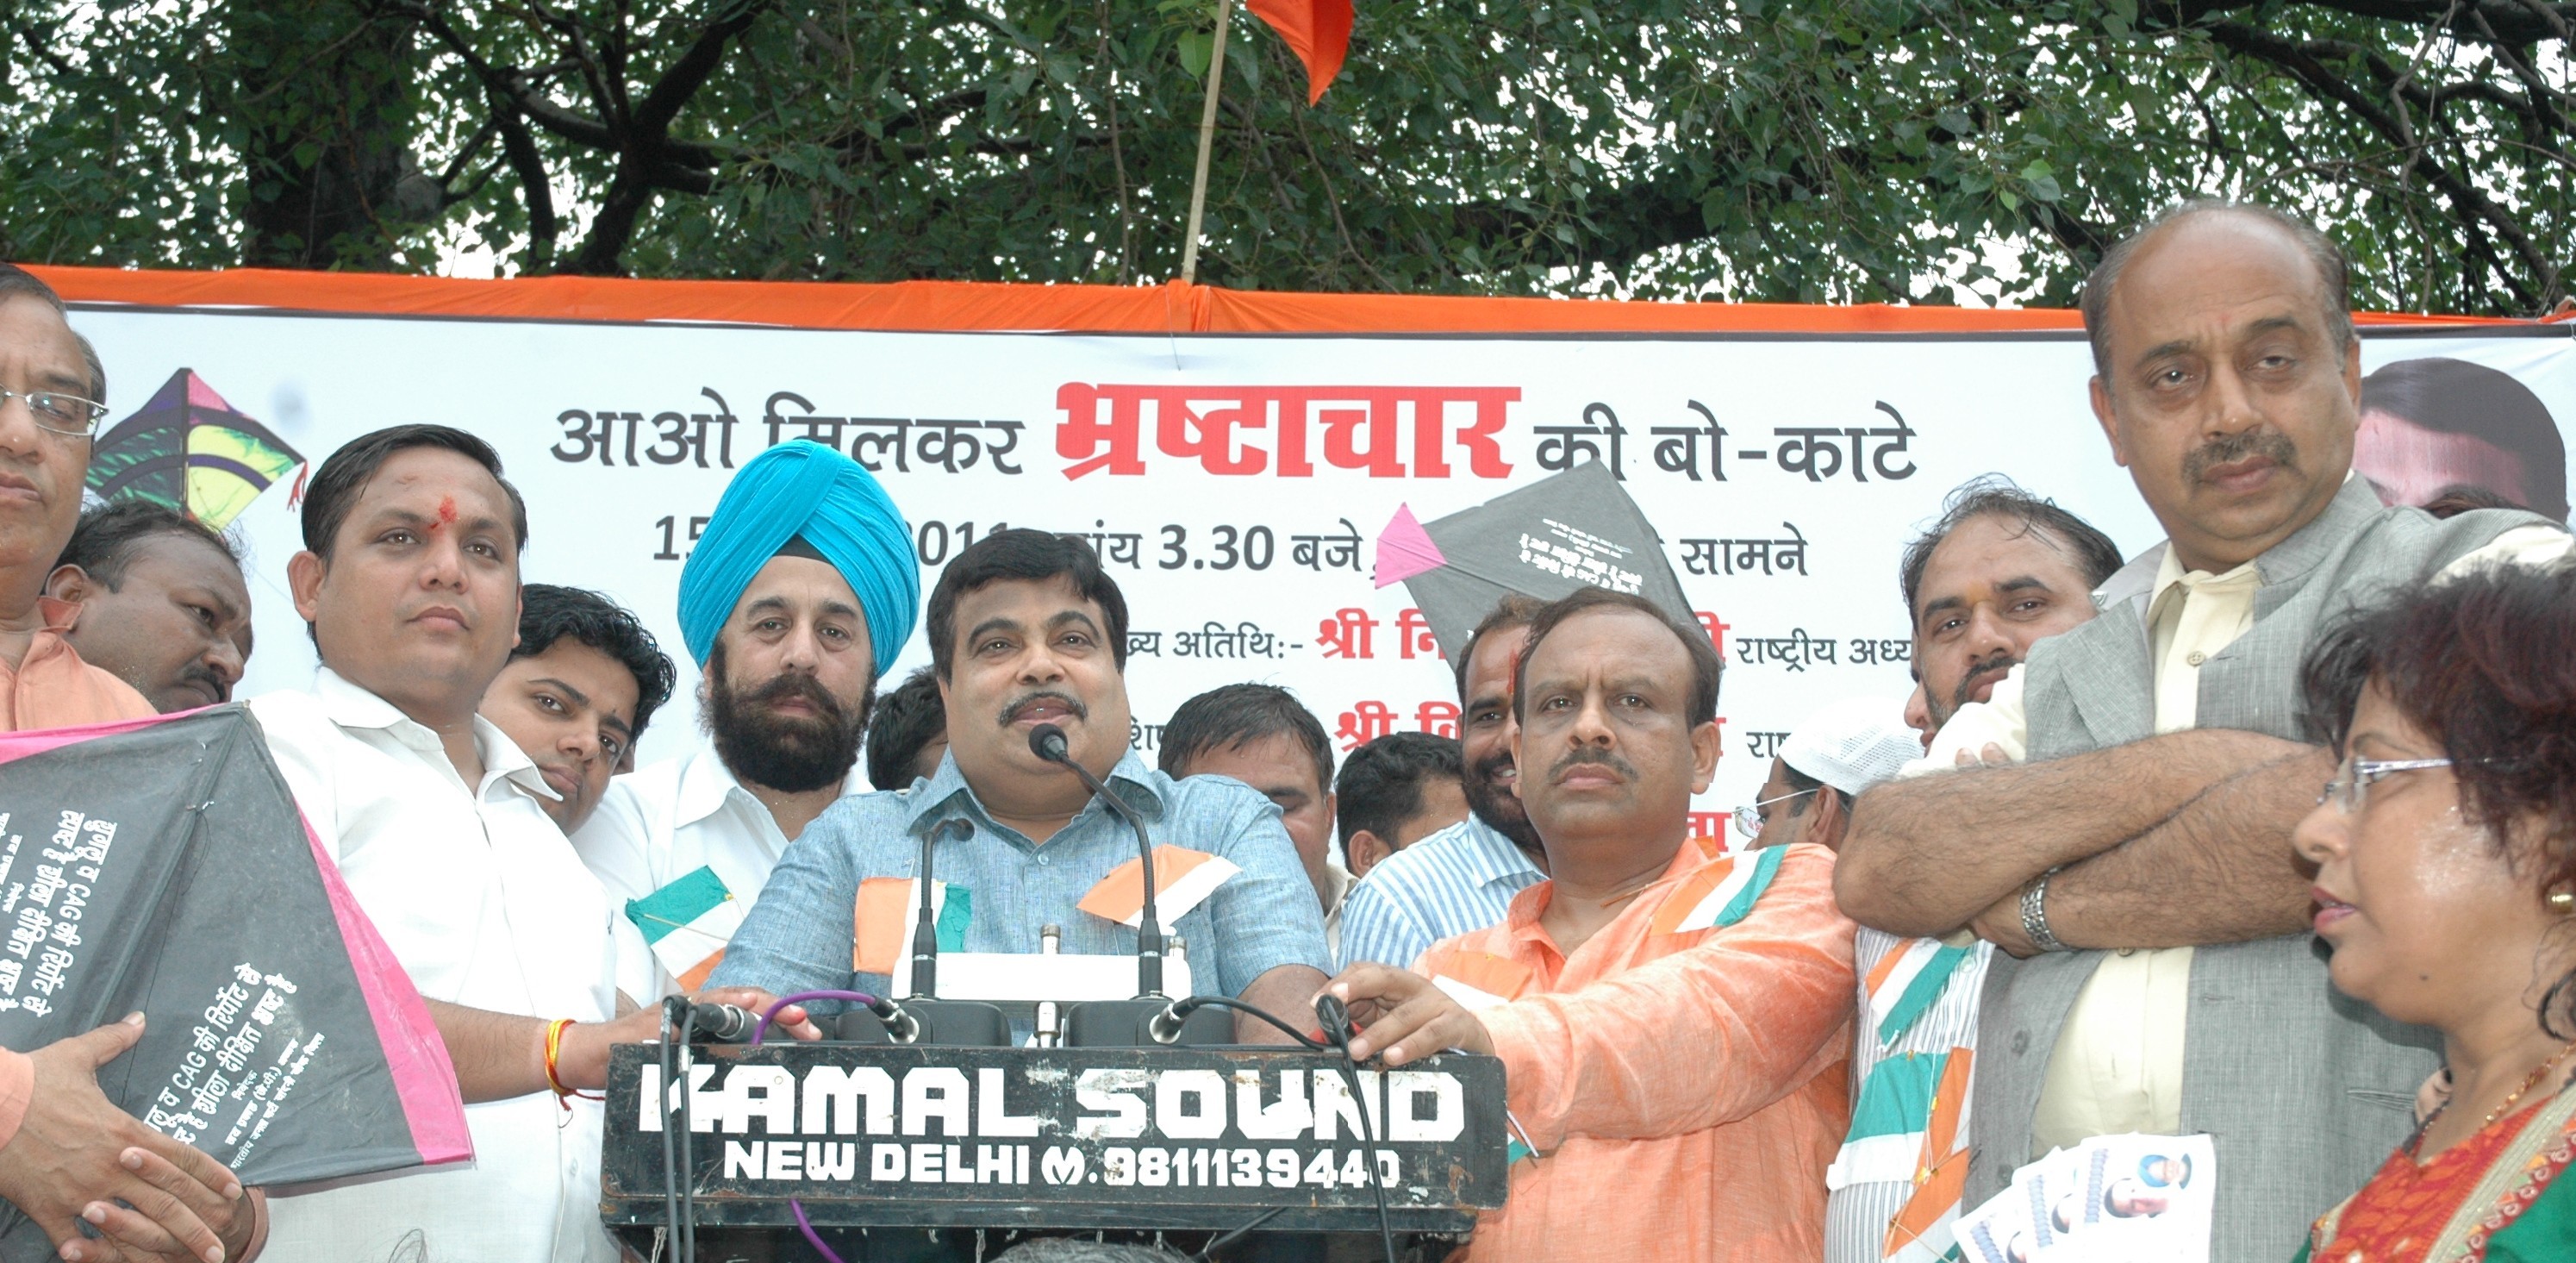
(2230, 448)
(799, 685)
(1999, 658)
(1598, 758)
(1488, 767)
(1011, 713)
(200, 674)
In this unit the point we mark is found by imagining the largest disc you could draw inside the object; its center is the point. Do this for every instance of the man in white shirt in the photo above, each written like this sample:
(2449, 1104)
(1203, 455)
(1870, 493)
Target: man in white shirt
(799, 594)
(583, 681)
(410, 580)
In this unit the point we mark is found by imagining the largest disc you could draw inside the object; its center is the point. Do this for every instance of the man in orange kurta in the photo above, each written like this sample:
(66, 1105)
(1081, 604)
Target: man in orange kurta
(65, 1152)
(1672, 1026)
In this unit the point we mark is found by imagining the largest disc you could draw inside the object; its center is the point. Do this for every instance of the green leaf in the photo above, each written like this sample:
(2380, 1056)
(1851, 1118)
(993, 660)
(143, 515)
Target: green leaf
(1195, 48)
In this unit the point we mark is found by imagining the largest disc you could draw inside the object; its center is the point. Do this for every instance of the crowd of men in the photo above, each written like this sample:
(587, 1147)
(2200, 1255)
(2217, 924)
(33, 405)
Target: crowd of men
(2050, 898)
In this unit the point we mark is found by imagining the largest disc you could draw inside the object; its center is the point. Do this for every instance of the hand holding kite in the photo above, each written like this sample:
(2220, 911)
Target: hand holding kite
(76, 1156)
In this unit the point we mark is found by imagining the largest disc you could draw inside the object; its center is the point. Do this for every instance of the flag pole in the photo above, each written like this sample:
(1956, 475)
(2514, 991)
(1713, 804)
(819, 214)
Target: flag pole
(1207, 140)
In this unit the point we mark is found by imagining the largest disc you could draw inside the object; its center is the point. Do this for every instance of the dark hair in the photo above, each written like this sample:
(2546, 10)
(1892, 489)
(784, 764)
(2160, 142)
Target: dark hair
(2485, 664)
(18, 282)
(1514, 610)
(1705, 666)
(548, 613)
(1809, 787)
(1380, 785)
(2460, 497)
(2451, 396)
(335, 487)
(1023, 554)
(1230, 715)
(104, 541)
(904, 721)
(1992, 495)
(2333, 267)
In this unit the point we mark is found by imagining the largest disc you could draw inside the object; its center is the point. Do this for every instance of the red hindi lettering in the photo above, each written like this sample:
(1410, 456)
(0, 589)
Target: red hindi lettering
(1082, 434)
(1716, 629)
(1413, 635)
(1347, 634)
(1709, 824)
(1363, 428)
(1365, 722)
(1342, 448)
(1438, 718)
(1181, 430)
(1484, 454)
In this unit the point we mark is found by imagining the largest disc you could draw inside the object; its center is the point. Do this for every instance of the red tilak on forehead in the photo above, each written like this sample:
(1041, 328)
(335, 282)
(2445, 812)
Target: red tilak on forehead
(446, 512)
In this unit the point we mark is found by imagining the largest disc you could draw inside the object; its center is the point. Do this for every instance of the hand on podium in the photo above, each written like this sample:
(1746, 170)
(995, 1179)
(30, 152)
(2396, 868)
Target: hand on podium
(1402, 1017)
(583, 1060)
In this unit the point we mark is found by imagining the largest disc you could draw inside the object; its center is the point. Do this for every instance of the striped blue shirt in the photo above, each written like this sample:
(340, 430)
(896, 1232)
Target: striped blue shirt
(1458, 880)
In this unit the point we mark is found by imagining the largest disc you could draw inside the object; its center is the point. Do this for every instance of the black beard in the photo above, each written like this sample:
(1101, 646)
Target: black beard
(792, 755)
(1960, 697)
(1496, 806)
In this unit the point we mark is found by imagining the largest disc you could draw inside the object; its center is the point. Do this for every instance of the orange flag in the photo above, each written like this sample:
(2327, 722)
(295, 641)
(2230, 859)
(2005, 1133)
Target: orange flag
(1318, 31)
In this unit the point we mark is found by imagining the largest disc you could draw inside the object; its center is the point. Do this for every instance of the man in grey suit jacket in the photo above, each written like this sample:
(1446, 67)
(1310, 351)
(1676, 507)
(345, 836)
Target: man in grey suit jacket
(2137, 870)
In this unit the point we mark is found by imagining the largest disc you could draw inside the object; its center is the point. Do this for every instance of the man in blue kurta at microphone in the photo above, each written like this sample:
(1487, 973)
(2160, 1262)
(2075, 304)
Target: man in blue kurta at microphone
(1025, 630)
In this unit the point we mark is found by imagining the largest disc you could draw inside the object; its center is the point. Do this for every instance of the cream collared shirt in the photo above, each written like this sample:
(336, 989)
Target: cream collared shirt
(2118, 1065)
(485, 905)
(662, 822)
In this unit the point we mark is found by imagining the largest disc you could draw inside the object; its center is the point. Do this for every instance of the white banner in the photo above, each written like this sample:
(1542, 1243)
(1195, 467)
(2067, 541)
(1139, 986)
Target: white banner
(1236, 485)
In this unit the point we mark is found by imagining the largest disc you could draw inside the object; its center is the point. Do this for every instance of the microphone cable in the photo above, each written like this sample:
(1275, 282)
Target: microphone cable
(1337, 1037)
(1337, 1030)
(1181, 1009)
(885, 1011)
(662, 1056)
(684, 1230)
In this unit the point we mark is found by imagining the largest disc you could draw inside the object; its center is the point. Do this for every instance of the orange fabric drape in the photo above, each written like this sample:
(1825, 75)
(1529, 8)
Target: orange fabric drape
(1174, 307)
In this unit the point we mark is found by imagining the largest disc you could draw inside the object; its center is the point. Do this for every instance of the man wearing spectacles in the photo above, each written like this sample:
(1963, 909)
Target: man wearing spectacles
(1827, 760)
(2156, 973)
(66, 1153)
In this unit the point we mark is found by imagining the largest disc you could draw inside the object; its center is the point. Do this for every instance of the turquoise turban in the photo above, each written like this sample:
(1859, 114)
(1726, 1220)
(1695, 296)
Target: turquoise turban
(804, 490)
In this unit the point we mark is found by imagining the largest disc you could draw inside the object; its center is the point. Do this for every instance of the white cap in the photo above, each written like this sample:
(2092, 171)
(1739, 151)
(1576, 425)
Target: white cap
(1853, 744)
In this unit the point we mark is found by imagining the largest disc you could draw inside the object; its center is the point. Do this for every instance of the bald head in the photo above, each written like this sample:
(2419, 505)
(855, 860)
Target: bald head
(2228, 378)
(2328, 269)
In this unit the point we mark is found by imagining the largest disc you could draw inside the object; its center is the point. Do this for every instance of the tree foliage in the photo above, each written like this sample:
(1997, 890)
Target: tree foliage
(1792, 150)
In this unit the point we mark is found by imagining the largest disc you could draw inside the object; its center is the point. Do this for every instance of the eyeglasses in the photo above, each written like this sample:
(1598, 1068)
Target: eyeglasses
(1748, 819)
(58, 412)
(2351, 783)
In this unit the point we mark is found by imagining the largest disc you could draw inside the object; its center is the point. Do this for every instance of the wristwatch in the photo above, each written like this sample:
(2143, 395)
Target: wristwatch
(2034, 915)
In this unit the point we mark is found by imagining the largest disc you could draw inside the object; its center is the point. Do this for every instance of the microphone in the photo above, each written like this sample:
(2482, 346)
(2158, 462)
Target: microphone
(722, 1023)
(924, 1018)
(925, 929)
(1048, 742)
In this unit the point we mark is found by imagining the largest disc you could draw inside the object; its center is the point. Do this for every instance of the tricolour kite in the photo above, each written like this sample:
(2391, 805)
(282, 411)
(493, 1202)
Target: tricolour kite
(190, 450)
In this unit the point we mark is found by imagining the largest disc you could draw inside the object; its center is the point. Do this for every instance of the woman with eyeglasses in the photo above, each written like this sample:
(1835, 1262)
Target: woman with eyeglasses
(2446, 886)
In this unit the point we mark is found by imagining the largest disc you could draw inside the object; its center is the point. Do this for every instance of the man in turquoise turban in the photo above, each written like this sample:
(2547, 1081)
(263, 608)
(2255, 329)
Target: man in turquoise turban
(800, 593)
